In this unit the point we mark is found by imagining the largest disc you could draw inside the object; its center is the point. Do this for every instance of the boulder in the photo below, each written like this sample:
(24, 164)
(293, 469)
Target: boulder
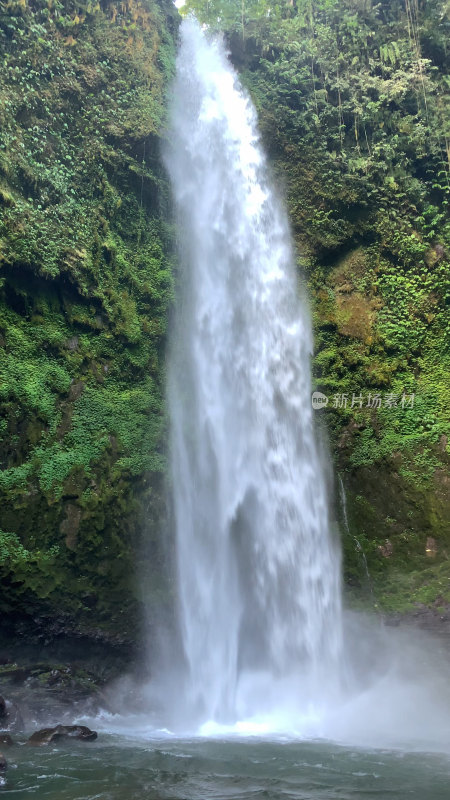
(50, 735)
(6, 740)
(10, 716)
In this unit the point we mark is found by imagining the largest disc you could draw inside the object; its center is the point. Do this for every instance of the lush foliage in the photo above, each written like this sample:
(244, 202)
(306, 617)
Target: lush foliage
(85, 285)
(354, 107)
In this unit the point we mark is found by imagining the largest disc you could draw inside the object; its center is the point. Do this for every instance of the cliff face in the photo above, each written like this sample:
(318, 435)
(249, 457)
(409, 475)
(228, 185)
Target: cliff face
(85, 284)
(352, 104)
(352, 100)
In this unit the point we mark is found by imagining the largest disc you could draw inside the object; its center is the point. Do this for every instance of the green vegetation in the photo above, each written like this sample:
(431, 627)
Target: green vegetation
(354, 107)
(85, 285)
(403, 591)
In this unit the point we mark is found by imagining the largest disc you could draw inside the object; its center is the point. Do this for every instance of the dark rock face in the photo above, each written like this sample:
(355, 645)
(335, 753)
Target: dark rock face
(50, 735)
(3, 768)
(10, 716)
(55, 691)
(5, 740)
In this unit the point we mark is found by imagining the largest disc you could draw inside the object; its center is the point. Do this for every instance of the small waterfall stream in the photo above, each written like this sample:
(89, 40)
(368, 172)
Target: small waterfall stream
(358, 546)
(258, 570)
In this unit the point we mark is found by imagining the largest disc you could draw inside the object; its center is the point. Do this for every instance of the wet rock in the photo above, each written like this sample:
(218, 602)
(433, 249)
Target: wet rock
(50, 735)
(72, 343)
(431, 547)
(10, 716)
(76, 390)
(3, 763)
(386, 549)
(13, 673)
(70, 525)
(5, 740)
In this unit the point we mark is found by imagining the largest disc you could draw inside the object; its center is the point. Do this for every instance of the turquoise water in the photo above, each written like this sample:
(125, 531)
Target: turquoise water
(118, 768)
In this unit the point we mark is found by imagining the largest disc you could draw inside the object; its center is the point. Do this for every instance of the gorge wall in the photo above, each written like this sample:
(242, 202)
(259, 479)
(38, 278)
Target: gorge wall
(353, 105)
(86, 282)
(352, 99)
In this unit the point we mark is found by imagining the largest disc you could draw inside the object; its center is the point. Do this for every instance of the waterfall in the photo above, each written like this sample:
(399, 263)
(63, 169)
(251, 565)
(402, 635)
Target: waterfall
(258, 570)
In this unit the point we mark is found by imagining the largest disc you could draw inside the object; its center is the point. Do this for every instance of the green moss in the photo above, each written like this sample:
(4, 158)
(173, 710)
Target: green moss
(84, 295)
(404, 591)
(359, 150)
(31, 569)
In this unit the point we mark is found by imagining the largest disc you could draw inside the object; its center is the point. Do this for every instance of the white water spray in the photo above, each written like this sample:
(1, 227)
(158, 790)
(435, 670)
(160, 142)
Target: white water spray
(258, 570)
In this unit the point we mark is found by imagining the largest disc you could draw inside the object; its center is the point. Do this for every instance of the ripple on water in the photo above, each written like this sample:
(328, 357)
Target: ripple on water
(115, 768)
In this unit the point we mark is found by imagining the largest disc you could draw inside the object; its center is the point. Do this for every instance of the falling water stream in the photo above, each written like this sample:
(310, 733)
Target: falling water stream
(358, 546)
(258, 568)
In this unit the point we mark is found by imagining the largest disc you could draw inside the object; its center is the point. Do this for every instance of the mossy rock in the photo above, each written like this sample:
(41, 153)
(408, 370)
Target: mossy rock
(85, 290)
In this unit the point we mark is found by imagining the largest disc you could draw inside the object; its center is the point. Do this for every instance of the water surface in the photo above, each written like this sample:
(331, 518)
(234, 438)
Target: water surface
(118, 768)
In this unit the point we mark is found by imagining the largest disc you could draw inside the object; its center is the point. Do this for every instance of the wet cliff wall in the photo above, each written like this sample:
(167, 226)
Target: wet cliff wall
(85, 286)
(353, 104)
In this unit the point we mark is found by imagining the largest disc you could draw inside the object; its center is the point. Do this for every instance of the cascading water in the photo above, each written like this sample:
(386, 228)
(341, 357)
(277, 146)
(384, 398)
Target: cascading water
(258, 569)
